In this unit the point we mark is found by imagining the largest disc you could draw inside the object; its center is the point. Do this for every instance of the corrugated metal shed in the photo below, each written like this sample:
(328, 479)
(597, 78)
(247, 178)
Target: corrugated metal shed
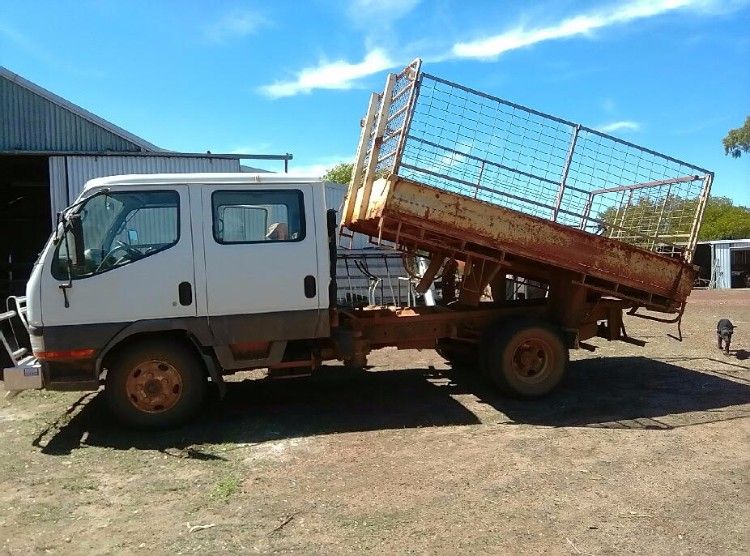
(46, 140)
(721, 260)
(35, 119)
(68, 174)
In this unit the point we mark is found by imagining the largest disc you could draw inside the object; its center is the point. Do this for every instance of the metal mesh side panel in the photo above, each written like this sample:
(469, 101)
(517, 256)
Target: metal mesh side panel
(370, 148)
(395, 122)
(480, 146)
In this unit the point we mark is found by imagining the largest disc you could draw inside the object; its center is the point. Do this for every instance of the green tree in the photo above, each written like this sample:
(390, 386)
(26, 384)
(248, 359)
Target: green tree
(341, 173)
(670, 218)
(723, 220)
(737, 140)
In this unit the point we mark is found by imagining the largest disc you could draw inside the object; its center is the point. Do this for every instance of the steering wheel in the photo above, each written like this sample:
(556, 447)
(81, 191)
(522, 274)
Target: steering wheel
(129, 249)
(118, 246)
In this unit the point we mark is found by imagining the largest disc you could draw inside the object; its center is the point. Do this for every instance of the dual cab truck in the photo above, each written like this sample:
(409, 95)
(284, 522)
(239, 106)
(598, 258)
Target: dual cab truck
(159, 285)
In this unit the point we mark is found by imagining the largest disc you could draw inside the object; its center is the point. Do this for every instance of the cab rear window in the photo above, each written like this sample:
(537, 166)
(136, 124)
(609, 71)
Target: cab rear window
(258, 216)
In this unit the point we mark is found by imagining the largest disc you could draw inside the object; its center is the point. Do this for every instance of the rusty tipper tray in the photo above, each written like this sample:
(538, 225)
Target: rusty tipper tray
(449, 170)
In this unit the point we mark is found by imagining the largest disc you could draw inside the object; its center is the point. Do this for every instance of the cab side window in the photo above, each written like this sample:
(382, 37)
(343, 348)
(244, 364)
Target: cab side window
(118, 229)
(258, 216)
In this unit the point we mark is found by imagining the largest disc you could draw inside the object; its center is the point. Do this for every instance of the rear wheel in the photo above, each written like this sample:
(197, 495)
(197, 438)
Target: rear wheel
(525, 359)
(155, 384)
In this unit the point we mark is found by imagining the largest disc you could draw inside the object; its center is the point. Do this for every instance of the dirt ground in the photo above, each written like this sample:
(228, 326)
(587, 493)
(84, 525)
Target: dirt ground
(643, 450)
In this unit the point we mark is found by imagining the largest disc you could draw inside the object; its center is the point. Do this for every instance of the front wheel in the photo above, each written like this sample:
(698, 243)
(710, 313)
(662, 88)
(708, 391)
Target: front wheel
(155, 384)
(524, 359)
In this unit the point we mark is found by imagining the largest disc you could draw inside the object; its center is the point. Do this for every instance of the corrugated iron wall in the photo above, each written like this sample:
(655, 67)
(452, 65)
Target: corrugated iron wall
(68, 174)
(58, 186)
(723, 265)
(29, 122)
(335, 195)
(723, 254)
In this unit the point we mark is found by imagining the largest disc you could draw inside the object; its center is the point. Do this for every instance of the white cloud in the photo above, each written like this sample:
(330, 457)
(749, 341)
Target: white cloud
(40, 52)
(14, 36)
(622, 125)
(342, 74)
(609, 105)
(452, 159)
(379, 12)
(577, 25)
(233, 25)
(330, 75)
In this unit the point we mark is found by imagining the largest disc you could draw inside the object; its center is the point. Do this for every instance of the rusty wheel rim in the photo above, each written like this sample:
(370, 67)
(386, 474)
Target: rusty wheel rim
(154, 386)
(532, 360)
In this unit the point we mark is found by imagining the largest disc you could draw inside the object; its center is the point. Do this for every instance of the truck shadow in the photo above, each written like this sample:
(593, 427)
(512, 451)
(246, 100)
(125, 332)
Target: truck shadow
(635, 393)
(618, 392)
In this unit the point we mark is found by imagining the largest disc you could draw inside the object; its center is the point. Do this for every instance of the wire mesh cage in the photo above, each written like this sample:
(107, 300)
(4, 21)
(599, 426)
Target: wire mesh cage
(457, 139)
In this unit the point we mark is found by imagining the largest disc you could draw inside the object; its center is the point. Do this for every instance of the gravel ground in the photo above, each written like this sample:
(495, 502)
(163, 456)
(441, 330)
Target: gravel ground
(643, 450)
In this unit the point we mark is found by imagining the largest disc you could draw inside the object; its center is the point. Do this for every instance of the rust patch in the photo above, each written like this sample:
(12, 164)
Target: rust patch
(496, 229)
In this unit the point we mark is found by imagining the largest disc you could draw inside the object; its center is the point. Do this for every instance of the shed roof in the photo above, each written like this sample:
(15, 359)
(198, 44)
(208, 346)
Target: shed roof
(722, 241)
(36, 119)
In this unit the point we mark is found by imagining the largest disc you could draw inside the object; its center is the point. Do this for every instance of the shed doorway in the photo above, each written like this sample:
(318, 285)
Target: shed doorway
(740, 267)
(702, 259)
(25, 219)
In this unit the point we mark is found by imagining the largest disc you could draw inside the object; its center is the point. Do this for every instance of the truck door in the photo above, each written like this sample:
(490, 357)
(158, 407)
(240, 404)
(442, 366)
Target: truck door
(137, 262)
(261, 258)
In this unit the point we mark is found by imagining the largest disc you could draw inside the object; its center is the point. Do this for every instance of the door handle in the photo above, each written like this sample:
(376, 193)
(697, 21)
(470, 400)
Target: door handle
(310, 286)
(185, 293)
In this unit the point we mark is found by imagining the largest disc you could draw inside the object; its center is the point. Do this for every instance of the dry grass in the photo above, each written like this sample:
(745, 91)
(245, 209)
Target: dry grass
(642, 450)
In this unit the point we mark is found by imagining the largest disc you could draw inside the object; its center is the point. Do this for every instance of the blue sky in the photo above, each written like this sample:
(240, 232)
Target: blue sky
(295, 76)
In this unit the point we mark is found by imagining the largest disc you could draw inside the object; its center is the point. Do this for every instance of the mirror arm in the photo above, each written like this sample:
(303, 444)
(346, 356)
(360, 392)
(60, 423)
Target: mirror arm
(77, 229)
(65, 287)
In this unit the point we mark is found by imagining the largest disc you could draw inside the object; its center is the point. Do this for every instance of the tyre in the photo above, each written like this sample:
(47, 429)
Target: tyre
(155, 384)
(460, 355)
(524, 359)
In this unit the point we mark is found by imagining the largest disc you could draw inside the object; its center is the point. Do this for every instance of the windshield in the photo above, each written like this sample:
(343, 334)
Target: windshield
(116, 229)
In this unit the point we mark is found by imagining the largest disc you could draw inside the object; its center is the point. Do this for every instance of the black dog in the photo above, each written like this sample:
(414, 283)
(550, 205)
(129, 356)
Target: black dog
(724, 329)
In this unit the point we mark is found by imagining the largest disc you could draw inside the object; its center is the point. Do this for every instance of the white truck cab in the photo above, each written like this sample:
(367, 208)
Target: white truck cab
(144, 272)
